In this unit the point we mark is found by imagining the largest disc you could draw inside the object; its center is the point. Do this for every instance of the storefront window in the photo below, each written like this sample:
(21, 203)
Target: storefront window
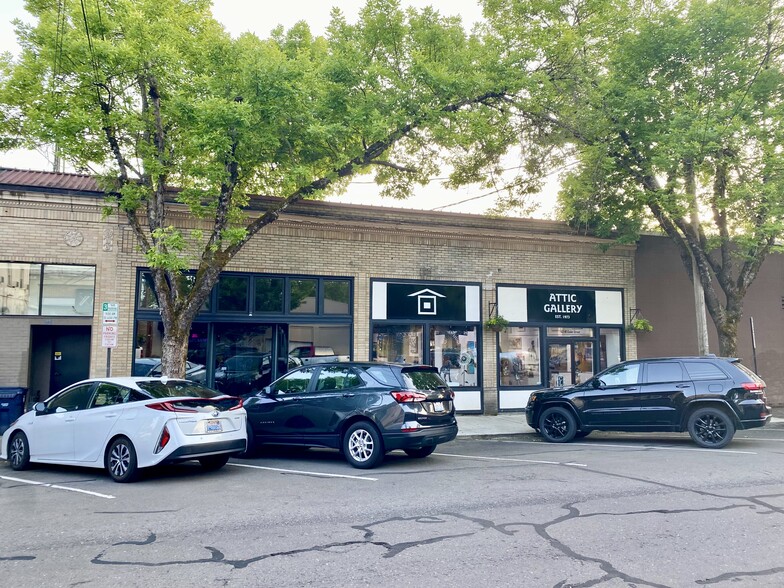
(147, 299)
(233, 294)
(20, 288)
(147, 356)
(68, 290)
(518, 357)
(269, 295)
(398, 343)
(243, 357)
(319, 343)
(609, 347)
(303, 296)
(337, 295)
(453, 351)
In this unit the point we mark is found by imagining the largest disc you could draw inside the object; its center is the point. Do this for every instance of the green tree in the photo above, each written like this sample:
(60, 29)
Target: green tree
(674, 114)
(154, 94)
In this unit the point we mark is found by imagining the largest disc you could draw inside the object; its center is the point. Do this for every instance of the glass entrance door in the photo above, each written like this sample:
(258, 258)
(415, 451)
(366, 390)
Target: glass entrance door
(569, 362)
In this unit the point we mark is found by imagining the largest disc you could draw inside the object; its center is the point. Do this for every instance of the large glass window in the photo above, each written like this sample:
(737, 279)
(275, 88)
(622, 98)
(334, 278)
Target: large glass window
(269, 295)
(303, 296)
(319, 343)
(453, 350)
(518, 356)
(609, 347)
(243, 357)
(337, 297)
(147, 356)
(398, 343)
(65, 290)
(68, 290)
(148, 300)
(20, 288)
(233, 294)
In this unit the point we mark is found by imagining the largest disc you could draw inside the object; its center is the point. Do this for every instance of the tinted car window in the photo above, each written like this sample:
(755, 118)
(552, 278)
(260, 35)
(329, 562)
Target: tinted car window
(704, 370)
(174, 388)
(422, 380)
(108, 395)
(383, 374)
(752, 376)
(663, 371)
(76, 398)
(337, 378)
(295, 382)
(621, 375)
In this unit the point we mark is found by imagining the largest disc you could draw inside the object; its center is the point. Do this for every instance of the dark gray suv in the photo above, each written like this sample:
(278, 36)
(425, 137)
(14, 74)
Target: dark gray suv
(710, 397)
(363, 409)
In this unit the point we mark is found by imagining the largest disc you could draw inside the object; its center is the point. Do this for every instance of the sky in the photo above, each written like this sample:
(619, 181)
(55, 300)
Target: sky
(260, 17)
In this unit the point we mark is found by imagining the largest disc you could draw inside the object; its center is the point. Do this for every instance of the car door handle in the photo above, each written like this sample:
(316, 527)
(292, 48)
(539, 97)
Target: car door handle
(70, 419)
(683, 386)
(348, 395)
(630, 388)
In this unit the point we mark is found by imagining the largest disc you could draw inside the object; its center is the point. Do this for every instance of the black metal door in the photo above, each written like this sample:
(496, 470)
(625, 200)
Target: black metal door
(70, 356)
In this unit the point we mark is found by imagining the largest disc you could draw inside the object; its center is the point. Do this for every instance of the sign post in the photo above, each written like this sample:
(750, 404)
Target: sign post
(109, 325)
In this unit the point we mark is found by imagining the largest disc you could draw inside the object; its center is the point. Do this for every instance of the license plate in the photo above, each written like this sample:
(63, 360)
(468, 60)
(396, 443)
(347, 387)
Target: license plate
(438, 407)
(214, 426)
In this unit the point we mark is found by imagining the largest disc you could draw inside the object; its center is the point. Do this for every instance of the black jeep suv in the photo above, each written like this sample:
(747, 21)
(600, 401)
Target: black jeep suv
(710, 397)
(363, 409)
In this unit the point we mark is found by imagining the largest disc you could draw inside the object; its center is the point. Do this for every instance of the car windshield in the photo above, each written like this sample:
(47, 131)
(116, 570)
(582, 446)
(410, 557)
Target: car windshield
(174, 388)
(419, 379)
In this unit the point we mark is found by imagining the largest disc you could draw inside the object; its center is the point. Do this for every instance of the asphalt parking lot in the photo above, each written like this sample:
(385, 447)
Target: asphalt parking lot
(610, 510)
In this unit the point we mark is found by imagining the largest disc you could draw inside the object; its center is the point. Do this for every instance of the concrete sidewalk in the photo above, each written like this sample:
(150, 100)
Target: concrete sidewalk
(513, 423)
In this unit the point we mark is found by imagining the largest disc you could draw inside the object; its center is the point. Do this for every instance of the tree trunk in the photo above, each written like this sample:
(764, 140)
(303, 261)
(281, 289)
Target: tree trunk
(174, 352)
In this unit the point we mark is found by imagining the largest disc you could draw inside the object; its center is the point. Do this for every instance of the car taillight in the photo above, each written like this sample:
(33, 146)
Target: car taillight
(752, 386)
(404, 396)
(239, 405)
(164, 439)
(169, 407)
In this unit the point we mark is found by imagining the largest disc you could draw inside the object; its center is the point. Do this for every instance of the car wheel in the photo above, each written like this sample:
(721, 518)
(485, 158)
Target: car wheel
(19, 452)
(420, 452)
(362, 445)
(121, 460)
(711, 428)
(214, 462)
(557, 425)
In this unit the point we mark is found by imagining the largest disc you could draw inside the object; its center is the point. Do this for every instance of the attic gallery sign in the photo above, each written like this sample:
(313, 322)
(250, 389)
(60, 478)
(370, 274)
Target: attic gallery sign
(550, 305)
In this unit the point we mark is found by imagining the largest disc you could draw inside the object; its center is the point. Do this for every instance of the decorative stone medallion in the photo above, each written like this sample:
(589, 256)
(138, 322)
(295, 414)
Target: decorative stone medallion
(108, 239)
(73, 238)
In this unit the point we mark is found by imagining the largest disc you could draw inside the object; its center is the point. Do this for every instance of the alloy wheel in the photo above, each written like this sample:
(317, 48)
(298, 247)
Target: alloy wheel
(710, 428)
(556, 425)
(17, 451)
(119, 460)
(361, 445)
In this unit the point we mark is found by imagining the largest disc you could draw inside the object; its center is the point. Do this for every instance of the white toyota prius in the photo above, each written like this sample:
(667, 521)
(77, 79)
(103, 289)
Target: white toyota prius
(125, 424)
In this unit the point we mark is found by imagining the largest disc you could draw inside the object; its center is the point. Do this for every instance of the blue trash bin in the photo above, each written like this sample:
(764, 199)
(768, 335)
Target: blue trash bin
(12, 402)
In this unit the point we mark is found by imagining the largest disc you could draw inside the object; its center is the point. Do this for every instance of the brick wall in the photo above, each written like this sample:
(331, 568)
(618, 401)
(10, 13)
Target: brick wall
(315, 238)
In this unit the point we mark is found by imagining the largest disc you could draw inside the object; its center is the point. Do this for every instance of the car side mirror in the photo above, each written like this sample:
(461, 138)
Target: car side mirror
(39, 408)
(597, 384)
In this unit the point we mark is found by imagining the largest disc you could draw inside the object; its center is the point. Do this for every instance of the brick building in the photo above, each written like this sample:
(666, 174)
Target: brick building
(324, 280)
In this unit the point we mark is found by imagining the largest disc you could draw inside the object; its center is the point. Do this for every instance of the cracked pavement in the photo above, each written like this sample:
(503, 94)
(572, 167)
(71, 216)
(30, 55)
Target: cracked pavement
(611, 511)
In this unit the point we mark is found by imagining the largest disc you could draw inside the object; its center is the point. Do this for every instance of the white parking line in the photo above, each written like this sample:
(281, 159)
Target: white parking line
(513, 459)
(57, 487)
(637, 447)
(321, 474)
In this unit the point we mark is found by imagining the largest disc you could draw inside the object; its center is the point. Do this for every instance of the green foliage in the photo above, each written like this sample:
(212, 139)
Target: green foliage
(156, 95)
(639, 324)
(496, 323)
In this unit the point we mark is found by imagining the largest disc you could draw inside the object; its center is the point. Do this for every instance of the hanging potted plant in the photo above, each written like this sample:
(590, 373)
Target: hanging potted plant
(639, 324)
(496, 323)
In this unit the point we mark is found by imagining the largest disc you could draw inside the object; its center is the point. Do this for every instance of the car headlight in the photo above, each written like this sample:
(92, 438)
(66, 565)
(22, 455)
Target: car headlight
(532, 398)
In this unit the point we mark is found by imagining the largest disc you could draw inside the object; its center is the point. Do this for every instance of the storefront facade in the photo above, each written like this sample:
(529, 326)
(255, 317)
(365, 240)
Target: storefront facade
(332, 281)
(558, 336)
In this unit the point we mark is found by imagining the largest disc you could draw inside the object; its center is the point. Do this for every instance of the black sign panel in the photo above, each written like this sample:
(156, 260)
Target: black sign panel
(426, 302)
(548, 305)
